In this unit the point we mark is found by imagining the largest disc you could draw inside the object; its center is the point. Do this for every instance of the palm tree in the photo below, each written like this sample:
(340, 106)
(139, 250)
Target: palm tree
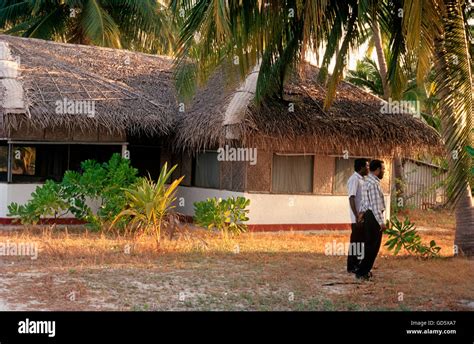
(367, 75)
(375, 13)
(423, 34)
(132, 24)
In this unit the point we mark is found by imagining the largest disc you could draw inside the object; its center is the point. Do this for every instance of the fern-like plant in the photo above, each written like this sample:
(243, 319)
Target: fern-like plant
(148, 202)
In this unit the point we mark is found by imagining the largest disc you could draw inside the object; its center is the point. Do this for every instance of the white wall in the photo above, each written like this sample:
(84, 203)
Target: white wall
(3, 199)
(296, 209)
(264, 208)
(18, 193)
(278, 209)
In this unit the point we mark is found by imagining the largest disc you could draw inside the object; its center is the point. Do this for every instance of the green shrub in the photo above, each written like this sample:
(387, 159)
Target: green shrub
(100, 183)
(404, 235)
(148, 202)
(46, 202)
(226, 215)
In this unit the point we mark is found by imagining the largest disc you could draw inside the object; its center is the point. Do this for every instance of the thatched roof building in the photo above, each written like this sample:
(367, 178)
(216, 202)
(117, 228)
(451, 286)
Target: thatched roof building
(357, 121)
(295, 147)
(290, 158)
(130, 91)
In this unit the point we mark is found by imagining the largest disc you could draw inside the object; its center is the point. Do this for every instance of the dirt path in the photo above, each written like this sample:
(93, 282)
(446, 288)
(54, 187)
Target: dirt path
(4, 306)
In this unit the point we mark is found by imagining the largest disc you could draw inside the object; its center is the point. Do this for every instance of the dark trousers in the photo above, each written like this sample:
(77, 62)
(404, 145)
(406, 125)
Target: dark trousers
(357, 236)
(373, 239)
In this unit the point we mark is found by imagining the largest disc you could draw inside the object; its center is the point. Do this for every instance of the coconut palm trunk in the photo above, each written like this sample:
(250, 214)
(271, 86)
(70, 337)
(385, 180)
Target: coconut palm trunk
(382, 62)
(383, 70)
(454, 90)
(464, 239)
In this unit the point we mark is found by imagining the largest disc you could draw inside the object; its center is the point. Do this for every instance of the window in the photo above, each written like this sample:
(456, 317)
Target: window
(206, 171)
(344, 169)
(3, 163)
(51, 162)
(146, 159)
(99, 153)
(145, 154)
(36, 163)
(292, 173)
(24, 161)
(40, 162)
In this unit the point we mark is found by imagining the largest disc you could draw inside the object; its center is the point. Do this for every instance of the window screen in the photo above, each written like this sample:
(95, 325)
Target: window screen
(3, 163)
(206, 170)
(292, 173)
(344, 169)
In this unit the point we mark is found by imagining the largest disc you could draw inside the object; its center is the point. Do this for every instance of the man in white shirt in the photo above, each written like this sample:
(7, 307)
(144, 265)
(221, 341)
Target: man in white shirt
(372, 209)
(354, 188)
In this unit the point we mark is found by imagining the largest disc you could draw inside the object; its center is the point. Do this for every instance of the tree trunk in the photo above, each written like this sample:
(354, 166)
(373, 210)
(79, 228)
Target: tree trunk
(382, 62)
(464, 213)
(399, 176)
(464, 239)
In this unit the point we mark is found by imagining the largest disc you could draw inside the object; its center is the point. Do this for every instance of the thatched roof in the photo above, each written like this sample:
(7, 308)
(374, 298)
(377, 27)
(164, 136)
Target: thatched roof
(136, 92)
(354, 123)
(129, 90)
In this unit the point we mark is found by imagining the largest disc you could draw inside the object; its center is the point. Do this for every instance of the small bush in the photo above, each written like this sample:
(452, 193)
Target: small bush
(404, 235)
(226, 215)
(148, 202)
(47, 201)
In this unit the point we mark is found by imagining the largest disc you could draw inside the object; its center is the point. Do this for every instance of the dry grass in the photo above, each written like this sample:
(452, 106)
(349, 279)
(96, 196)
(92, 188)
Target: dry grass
(198, 271)
(432, 219)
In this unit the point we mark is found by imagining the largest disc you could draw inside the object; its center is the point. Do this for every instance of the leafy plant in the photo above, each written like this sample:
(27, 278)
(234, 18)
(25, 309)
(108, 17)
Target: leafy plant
(226, 215)
(404, 235)
(143, 25)
(46, 202)
(148, 202)
(470, 150)
(99, 184)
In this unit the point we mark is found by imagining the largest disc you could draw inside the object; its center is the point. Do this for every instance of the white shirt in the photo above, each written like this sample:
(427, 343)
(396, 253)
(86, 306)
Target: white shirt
(354, 188)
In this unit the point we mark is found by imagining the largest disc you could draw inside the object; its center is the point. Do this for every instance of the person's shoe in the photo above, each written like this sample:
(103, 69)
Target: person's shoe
(352, 271)
(365, 277)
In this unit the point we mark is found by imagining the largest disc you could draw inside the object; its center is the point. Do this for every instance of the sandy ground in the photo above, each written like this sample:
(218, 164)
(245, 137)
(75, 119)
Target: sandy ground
(196, 271)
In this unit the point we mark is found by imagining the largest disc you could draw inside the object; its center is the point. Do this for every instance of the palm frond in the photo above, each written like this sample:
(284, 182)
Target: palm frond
(454, 88)
(349, 39)
(98, 25)
(366, 75)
